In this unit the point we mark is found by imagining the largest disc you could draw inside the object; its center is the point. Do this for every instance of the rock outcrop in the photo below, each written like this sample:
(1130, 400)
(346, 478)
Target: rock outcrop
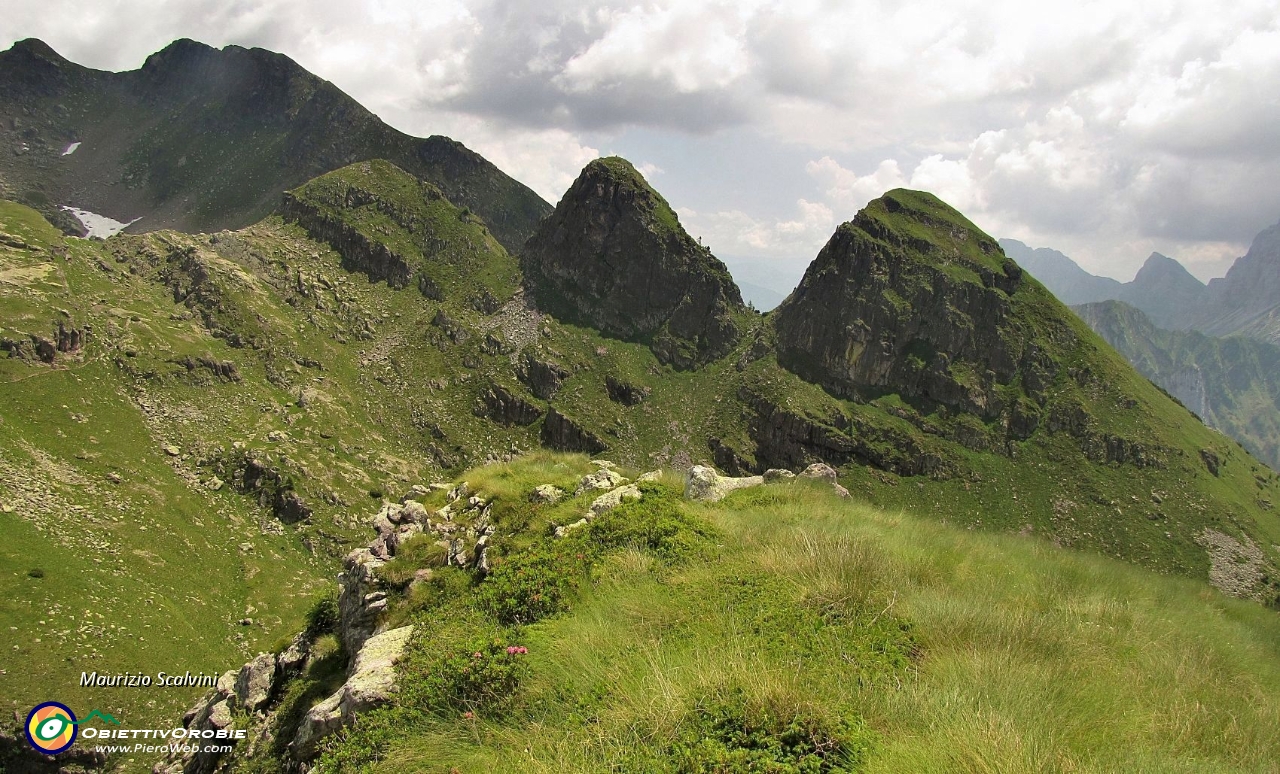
(542, 377)
(507, 408)
(616, 492)
(250, 689)
(562, 433)
(359, 252)
(706, 485)
(624, 392)
(614, 256)
(372, 684)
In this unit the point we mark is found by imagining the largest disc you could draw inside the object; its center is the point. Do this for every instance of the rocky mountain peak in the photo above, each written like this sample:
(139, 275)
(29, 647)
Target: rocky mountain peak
(614, 256)
(31, 70)
(1258, 270)
(911, 298)
(179, 51)
(1161, 269)
(1247, 300)
(34, 48)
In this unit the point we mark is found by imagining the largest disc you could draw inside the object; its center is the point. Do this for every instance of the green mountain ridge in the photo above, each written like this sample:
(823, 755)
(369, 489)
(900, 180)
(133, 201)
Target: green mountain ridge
(201, 139)
(259, 393)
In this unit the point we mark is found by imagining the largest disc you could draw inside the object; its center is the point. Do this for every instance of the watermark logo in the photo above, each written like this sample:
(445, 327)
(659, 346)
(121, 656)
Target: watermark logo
(51, 727)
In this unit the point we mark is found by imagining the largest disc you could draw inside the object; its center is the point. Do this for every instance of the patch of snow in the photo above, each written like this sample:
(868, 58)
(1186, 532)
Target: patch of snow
(71, 149)
(99, 225)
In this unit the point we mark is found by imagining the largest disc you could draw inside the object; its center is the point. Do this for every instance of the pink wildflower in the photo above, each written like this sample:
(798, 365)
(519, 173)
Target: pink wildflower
(469, 715)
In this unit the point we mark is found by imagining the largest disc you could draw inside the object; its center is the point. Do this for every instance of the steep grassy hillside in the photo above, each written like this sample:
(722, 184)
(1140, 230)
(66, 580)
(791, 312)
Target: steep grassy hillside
(120, 551)
(785, 629)
(201, 139)
(1232, 383)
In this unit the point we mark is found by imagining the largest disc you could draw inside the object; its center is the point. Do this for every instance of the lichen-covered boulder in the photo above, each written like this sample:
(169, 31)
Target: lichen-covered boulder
(372, 684)
(705, 484)
(255, 682)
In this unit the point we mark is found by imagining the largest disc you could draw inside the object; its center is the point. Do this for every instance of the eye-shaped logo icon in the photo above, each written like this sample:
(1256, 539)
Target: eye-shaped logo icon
(51, 727)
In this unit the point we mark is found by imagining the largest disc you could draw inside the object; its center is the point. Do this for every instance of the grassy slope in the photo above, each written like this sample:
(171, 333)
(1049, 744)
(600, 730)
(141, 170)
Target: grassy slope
(916, 646)
(143, 575)
(160, 553)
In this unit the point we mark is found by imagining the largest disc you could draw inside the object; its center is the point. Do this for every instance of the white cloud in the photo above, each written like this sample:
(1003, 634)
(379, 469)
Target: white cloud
(649, 169)
(734, 232)
(692, 46)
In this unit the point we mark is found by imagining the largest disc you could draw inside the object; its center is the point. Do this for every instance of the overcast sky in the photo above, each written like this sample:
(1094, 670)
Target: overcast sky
(1105, 132)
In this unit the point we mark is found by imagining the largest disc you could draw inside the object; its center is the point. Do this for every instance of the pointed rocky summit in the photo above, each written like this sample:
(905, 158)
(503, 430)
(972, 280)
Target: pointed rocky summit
(614, 256)
(911, 298)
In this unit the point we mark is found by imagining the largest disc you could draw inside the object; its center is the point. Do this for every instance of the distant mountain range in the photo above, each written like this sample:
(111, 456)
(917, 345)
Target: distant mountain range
(1215, 347)
(1232, 383)
(1246, 301)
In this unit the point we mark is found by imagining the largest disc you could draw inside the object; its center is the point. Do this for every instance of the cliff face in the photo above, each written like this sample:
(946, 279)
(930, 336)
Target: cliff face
(614, 256)
(910, 298)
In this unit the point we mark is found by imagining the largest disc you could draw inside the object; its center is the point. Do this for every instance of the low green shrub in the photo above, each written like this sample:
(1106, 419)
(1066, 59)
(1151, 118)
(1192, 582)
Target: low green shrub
(532, 585)
(731, 733)
(656, 524)
(322, 618)
(364, 743)
(468, 667)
